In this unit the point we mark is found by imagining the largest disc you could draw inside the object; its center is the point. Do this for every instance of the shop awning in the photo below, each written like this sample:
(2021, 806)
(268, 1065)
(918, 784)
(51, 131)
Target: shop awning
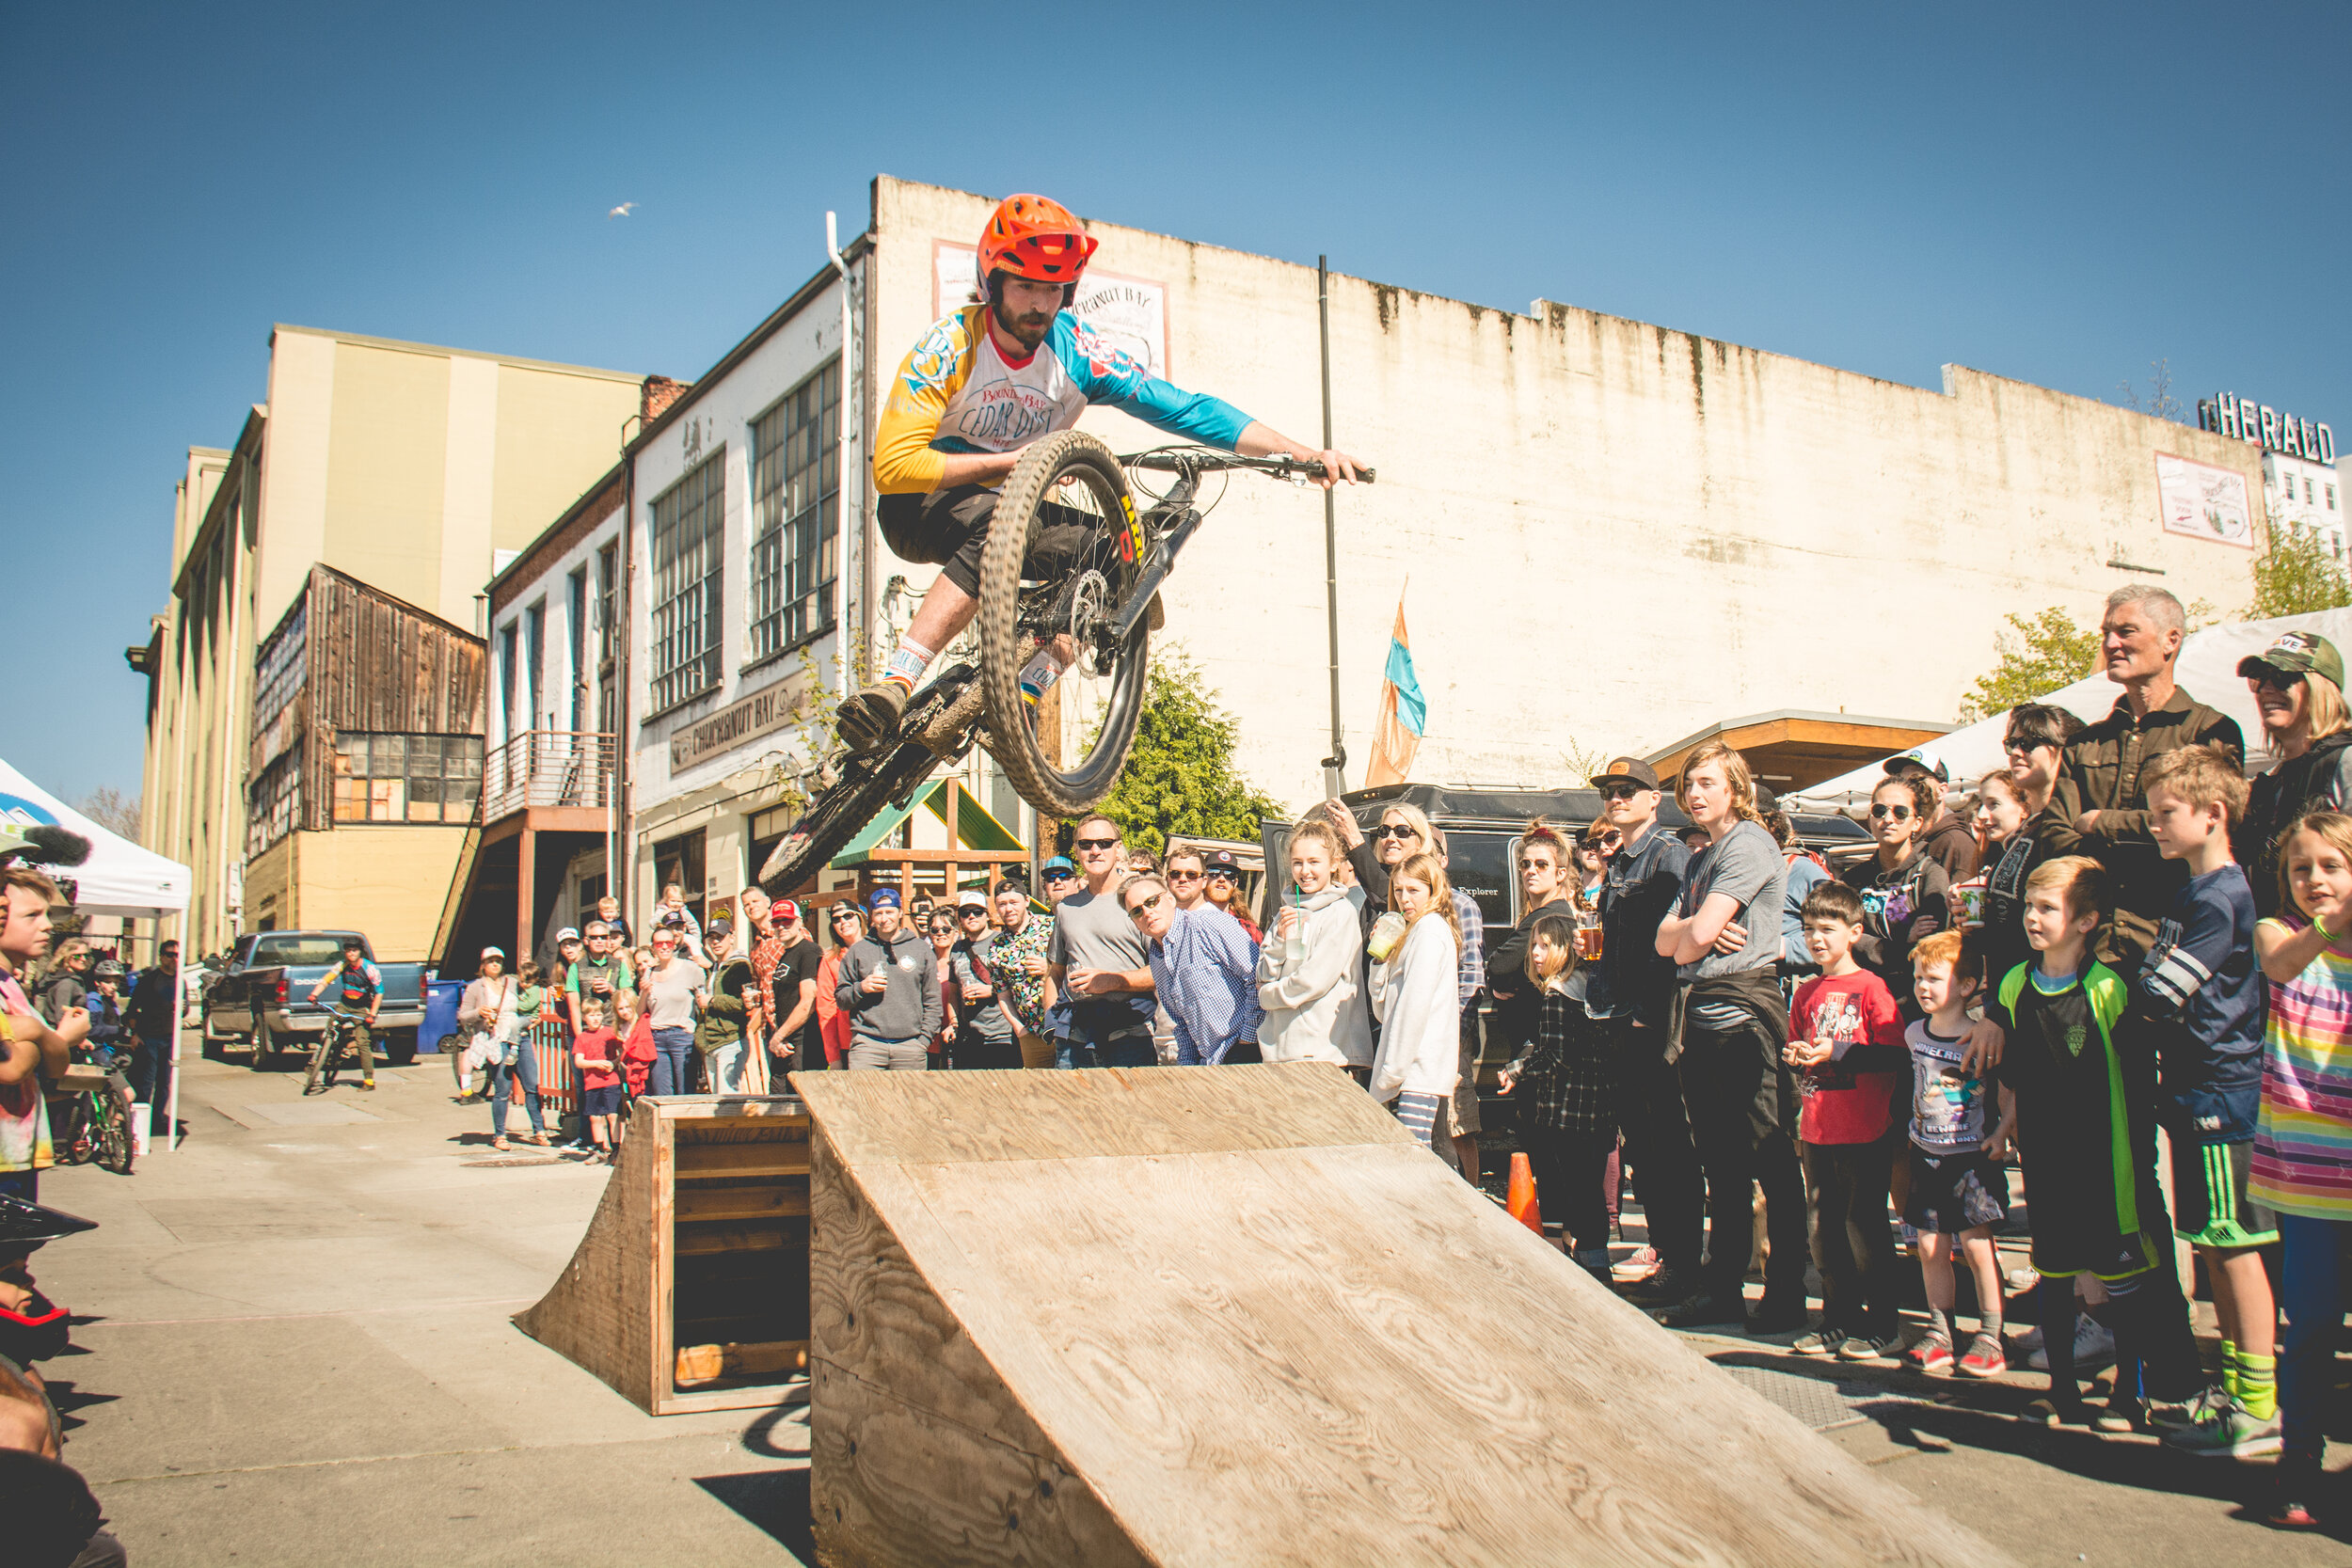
(975, 827)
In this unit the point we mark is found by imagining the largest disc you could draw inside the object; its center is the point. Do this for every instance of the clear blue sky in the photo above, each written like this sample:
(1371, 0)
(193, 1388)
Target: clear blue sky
(2059, 193)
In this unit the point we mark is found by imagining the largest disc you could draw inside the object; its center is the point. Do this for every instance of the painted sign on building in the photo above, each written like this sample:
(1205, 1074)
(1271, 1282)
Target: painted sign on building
(763, 712)
(1130, 314)
(2246, 421)
(2205, 502)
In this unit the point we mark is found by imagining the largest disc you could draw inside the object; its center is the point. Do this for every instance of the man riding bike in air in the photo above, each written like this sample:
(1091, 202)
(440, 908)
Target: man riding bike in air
(361, 986)
(983, 384)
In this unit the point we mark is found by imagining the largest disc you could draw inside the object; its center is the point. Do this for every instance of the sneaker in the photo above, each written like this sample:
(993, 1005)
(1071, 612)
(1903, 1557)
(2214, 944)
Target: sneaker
(368, 1084)
(2095, 1348)
(2291, 1494)
(1703, 1308)
(1659, 1288)
(1869, 1347)
(2166, 1416)
(1930, 1355)
(2049, 1412)
(1984, 1358)
(2226, 1431)
(1821, 1341)
(871, 717)
(1636, 1266)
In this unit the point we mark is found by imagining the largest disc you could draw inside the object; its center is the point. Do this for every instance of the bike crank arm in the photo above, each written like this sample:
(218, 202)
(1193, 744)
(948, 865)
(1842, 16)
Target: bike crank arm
(1163, 562)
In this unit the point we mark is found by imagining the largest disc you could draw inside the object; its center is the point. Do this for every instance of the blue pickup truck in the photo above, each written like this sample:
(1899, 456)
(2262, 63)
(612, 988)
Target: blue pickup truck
(262, 998)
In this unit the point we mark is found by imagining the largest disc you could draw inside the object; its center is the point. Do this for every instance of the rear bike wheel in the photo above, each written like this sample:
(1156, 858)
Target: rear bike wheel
(1095, 706)
(867, 784)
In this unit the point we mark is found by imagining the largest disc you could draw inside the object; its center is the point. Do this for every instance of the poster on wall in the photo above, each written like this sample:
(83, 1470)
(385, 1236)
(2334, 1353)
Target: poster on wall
(1130, 314)
(2205, 502)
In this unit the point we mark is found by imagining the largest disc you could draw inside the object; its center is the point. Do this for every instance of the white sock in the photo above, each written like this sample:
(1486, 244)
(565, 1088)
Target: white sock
(1039, 675)
(908, 664)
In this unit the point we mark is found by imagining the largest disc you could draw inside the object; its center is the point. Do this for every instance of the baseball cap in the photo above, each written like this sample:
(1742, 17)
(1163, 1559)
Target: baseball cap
(973, 901)
(883, 898)
(1903, 762)
(1060, 865)
(1222, 859)
(2296, 653)
(567, 934)
(1628, 767)
(785, 910)
(721, 926)
(487, 952)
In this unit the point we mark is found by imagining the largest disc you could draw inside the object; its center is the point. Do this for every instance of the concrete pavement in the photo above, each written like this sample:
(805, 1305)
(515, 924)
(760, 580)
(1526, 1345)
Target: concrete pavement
(296, 1349)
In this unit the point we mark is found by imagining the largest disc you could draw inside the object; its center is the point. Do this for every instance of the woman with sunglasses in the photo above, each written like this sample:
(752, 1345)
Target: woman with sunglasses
(1905, 891)
(1402, 832)
(844, 925)
(940, 926)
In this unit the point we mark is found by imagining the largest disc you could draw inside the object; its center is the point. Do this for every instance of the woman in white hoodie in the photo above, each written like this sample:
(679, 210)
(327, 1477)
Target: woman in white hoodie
(1414, 991)
(1313, 997)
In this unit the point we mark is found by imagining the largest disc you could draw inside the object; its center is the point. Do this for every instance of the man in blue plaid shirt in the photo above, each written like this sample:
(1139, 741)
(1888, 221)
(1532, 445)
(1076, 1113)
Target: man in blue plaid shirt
(1462, 1115)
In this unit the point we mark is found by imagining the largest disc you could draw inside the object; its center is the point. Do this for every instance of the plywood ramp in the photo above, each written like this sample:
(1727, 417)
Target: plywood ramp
(1233, 1315)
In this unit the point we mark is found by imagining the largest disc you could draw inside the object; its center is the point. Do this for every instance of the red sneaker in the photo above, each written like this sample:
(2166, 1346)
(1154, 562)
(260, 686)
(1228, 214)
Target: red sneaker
(1930, 1355)
(1985, 1357)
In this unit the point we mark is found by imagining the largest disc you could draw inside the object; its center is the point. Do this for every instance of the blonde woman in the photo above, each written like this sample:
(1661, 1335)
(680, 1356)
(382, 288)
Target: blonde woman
(1729, 1025)
(1414, 995)
(2298, 683)
(1404, 831)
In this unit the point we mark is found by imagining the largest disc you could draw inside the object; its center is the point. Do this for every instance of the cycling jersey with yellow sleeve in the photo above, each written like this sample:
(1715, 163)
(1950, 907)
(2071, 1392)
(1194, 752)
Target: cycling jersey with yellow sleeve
(957, 392)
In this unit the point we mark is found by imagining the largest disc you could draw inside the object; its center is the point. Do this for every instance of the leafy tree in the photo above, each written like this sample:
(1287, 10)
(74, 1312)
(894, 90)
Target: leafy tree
(2039, 654)
(1180, 779)
(2296, 575)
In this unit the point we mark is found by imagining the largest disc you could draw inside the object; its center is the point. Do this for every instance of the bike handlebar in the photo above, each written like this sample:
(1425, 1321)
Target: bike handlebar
(1202, 460)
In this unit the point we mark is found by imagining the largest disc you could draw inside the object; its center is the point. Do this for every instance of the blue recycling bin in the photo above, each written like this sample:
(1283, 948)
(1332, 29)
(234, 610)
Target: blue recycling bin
(440, 1013)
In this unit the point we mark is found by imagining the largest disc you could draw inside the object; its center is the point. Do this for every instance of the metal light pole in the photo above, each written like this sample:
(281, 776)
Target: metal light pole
(1334, 766)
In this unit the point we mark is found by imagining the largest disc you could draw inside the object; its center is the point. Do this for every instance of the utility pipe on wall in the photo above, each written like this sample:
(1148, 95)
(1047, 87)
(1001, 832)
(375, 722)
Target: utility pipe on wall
(1334, 766)
(842, 464)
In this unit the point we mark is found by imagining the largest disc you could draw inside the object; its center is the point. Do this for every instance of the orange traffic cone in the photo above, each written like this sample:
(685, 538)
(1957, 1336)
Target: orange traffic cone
(1520, 1199)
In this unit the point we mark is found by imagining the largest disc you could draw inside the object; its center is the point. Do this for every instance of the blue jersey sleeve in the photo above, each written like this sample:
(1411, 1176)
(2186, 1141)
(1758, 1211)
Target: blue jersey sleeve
(1108, 374)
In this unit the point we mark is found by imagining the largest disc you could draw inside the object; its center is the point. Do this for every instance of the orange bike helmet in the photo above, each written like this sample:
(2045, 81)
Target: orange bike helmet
(1034, 238)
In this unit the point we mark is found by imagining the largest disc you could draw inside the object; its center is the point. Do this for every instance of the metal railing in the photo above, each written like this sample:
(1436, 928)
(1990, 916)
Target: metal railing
(547, 768)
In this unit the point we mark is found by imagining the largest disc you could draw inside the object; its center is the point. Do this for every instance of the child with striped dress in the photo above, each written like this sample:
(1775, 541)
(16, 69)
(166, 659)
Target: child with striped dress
(2302, 1160)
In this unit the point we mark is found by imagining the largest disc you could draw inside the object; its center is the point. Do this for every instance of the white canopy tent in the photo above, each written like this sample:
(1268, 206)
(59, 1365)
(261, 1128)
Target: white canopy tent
(119, 878)
(2207, 671)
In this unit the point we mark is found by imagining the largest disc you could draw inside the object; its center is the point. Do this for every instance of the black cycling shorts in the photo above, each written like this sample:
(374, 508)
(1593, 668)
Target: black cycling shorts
(948, 528)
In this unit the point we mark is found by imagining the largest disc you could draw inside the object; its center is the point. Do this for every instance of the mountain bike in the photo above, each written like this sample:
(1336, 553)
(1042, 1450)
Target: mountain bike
(334, 1044)
(1062, 754)
(90, 1118)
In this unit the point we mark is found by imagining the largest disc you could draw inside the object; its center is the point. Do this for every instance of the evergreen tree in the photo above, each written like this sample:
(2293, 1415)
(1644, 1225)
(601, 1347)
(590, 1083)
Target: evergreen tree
(1180, 779)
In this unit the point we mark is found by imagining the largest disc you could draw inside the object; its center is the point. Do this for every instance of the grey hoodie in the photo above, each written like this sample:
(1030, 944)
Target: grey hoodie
(909, 1010)
(1315, 1010)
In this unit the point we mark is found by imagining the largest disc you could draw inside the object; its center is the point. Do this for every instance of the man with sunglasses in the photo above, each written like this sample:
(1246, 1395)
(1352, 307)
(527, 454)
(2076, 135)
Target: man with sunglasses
(1016, 956)
(985, 1036)
(603, 974)
(1632, 991)
(1187, 874)
(1205, 968)
(1098, 964)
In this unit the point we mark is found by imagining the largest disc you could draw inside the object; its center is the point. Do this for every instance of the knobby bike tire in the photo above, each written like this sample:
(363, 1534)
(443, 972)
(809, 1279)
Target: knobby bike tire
(845, 809)
(111, 1131)
(1012, 737)
(322, 1060)
(261, 1043)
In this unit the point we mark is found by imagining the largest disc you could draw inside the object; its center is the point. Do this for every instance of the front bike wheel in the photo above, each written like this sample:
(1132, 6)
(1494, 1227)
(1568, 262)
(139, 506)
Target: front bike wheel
(111, 1131)
(322, 1063)
(1094, 709)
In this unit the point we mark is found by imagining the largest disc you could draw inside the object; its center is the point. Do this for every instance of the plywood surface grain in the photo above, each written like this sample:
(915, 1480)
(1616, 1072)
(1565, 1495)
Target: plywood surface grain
(1247, 1352)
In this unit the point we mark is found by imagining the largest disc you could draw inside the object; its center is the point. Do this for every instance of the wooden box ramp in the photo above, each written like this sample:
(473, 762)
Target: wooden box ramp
(1237, 1315)
(689, 1289)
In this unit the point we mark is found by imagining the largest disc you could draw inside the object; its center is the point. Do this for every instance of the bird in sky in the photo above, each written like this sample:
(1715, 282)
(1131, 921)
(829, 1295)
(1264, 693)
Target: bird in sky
(622, 211)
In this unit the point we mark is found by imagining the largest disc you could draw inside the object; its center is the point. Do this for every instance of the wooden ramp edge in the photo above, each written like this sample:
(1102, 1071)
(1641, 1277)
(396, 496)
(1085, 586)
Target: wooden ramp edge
(1237, 1315)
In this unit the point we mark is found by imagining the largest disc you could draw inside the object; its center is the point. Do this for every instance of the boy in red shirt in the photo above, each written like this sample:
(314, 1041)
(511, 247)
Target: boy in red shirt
(1847, 1034)
(592, 1050)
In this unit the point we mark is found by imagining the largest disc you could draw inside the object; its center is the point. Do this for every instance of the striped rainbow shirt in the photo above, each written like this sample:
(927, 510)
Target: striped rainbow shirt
(2303, 1142)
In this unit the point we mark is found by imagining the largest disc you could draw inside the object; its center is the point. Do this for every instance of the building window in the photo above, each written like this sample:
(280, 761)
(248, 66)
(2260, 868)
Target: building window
(576, 633)
(687, 522)
(510, 669)
(2308, 497)
(274, 809)
(406, 778)
(2331, 498)
(796, 494)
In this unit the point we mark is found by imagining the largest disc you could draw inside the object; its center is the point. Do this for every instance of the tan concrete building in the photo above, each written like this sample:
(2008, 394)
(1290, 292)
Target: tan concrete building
(410, 468)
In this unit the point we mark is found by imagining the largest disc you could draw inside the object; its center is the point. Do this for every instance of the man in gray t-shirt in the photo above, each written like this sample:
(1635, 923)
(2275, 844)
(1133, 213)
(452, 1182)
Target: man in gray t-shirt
(1098, 961)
